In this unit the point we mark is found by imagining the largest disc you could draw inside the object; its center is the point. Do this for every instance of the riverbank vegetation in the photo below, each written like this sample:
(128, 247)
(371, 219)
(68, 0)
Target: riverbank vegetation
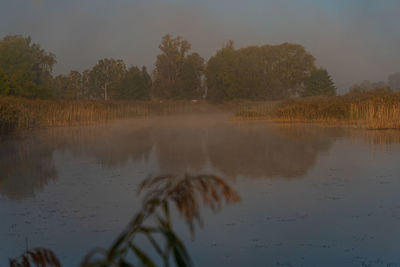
(371, 110)
(275, 82)
(21, 113)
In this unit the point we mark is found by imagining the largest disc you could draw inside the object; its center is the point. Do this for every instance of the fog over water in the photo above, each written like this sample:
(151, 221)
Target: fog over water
(309, 194)
(179, 144)
(355, 40)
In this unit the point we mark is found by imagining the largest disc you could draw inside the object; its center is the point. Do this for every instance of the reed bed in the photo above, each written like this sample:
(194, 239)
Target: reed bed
(161, 108)
(253, 110)
(377, 113)
(366, 110)
(20, 113)
(371, 111)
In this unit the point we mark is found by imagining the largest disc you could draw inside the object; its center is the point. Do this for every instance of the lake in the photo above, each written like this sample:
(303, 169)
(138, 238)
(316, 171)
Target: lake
(310, 195)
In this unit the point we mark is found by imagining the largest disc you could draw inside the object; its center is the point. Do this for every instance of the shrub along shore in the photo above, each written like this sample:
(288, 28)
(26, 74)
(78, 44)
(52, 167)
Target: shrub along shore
(363, 110)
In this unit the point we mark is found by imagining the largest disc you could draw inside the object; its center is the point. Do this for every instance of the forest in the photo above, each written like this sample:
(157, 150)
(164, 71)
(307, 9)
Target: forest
(267, 72)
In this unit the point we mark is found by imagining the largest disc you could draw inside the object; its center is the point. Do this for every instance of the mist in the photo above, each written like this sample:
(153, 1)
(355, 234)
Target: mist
(355, 40)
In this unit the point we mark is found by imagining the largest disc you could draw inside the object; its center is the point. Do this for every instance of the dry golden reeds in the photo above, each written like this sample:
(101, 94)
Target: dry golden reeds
(371, 111)
(21, 113)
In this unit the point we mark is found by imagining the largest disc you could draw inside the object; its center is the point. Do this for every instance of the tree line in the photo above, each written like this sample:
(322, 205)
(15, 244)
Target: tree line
(393, 83)
(268, 72)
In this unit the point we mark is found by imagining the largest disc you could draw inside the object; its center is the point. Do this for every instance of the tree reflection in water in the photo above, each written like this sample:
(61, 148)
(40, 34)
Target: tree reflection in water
(187, 194)
(177, 145)
(24, 168)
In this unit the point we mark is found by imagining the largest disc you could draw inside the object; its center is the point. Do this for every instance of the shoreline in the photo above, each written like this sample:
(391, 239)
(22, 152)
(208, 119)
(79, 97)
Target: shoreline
(367, 111)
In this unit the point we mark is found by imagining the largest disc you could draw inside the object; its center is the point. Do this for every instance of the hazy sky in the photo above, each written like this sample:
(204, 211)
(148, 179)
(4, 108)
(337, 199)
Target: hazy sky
(353, 39)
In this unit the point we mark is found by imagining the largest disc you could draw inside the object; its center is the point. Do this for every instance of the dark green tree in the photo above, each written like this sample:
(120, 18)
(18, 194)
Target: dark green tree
(319, 83)
(135, 85)
(27, 66)
(222, 75)
(104, 77)
(287, 67)
(258, 72)
(4, 84)
(69, 87)
(177, 74)
(59, 85)
(190, 77)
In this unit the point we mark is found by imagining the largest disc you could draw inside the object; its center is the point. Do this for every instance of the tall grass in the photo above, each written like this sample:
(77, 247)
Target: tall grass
(20, 113)
(377, 113)
(253, 110)
(365, 110)
(368, 110)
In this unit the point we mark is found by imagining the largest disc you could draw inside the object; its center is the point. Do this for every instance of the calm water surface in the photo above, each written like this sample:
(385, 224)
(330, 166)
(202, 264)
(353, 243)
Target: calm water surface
(311, 196)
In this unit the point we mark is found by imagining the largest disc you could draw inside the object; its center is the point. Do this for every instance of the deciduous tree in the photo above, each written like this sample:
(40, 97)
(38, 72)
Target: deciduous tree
(27, 66)
(71, 87)
(135, 85)
(177, 74)
(258, 72)
(4, 84)
(105, 76)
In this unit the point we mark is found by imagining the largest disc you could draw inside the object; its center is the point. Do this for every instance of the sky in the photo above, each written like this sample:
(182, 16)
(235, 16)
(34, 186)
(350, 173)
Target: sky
(354, 40)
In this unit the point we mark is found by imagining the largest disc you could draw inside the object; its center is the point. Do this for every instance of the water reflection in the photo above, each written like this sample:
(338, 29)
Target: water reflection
(180, 149)
(375, 138)
(25, 167)
(255, 151)
(110, 145)
(178, 145)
